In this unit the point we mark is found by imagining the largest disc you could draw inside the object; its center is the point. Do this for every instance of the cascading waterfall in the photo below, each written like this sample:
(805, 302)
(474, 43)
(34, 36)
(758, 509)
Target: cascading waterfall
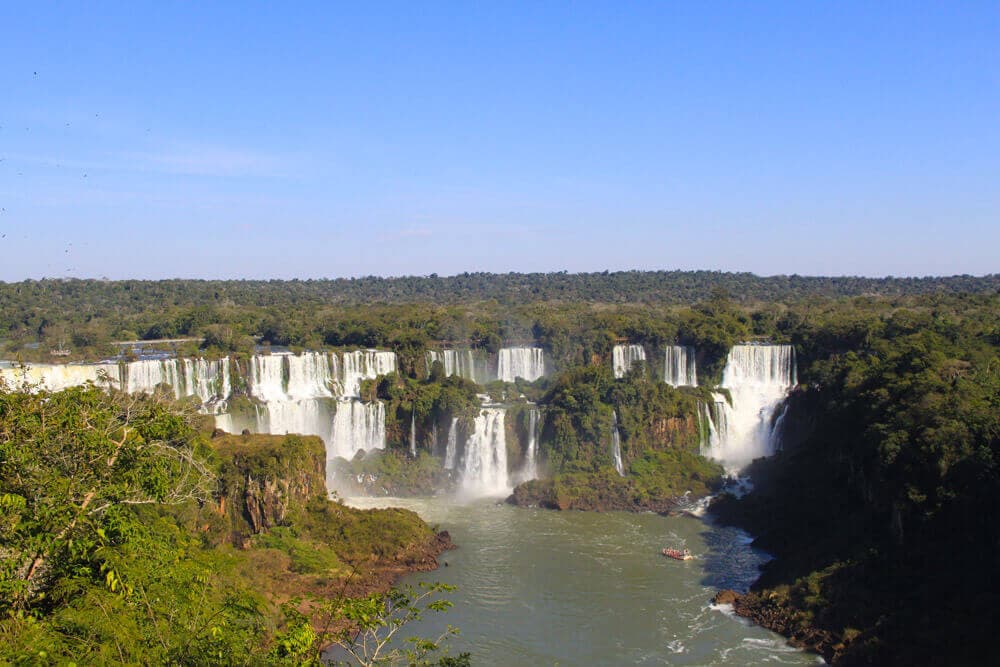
(292, 393)
(413, 435)
(484, 463)
(310, 375)
(679, 366)
(457, 362)
(145, 375)
(56, 377)
(284, 377)
(363, 365)
(208, 380)
(357, 426)
(758, 378)
(623, 356)
(530, 469)
(616, 445)
(715, 416)
(451, 448)
(308, 416)
(521, 362)
(267, 381)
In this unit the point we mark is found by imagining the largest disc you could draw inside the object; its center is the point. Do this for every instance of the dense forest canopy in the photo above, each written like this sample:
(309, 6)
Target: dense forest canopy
(649, 287)
(891, 439)
(572, 315)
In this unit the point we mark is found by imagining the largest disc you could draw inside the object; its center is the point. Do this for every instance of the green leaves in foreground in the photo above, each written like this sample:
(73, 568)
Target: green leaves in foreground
(366, 631)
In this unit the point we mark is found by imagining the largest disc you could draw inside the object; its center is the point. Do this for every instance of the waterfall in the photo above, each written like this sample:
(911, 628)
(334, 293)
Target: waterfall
(208, 380)
(530, 469)
(291, 377)
(616, 445)
(357, 426)
(451, 449)
(457, 362)
(56, 377)
(679, 366)
(310, 375)
(267, 377)
(521, 362)
(363, 365)
(413, 435)
(758, 378)
(145, 375)
(715, 417)
(309, 416)
(623, 356)
(484, 464)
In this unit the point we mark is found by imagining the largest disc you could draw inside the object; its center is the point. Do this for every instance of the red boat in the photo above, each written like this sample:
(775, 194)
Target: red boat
(677, 554)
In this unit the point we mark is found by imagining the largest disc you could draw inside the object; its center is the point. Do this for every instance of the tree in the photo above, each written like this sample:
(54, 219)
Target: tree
(367, 629)
(67, 461)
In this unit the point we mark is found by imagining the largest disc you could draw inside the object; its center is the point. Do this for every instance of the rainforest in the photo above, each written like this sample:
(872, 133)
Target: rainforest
(209, 471)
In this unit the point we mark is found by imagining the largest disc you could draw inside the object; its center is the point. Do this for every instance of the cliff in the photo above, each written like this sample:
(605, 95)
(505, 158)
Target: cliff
(273, 502)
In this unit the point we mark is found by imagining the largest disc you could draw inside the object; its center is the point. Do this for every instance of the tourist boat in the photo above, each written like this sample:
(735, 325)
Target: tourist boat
(677, 554)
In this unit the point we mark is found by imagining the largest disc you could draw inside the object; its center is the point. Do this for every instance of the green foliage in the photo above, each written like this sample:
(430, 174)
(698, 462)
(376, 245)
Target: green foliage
(882, 505)
(372, 624)
(114, 550)
(392, 472)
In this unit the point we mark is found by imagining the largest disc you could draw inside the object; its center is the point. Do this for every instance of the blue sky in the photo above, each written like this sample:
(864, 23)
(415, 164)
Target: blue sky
(166, 139)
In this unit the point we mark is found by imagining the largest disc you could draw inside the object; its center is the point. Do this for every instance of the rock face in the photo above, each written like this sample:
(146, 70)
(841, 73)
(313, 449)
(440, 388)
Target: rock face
(727, 596)
(770, 612)
(264, 477)
(267, 481)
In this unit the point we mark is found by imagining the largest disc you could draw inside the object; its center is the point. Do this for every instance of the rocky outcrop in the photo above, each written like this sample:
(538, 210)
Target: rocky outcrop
(599, 493)
(263, 477)
(770, 611)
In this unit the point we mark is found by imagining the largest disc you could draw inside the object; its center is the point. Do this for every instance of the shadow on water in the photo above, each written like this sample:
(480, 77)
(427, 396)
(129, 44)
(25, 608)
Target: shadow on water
(729, 560)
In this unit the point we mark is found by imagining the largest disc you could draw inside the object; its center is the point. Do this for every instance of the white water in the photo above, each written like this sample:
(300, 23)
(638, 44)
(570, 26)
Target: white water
(293, 393)
(363, 365)
(309, 416)
(530, 469)
(616, 446)
(357, 426)
(56, 377)
(208, 380)
(457, 362)
(521, 362)
(310, 374)
(290, 377)
(144, 376)
(413, 435)
(484, 462)
(623, 356)
(451, 449)
(679, 366)
(758, 378)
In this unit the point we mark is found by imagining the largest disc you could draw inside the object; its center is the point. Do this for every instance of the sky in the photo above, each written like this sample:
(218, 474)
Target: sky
(281, 140)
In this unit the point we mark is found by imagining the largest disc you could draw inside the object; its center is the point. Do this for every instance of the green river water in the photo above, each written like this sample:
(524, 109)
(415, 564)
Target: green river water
(539, 587)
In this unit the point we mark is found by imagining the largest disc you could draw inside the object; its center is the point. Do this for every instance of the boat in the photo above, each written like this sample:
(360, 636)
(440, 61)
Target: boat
(678, 554)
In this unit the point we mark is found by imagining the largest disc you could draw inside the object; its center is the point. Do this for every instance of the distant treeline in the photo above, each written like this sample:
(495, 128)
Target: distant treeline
(646, 287)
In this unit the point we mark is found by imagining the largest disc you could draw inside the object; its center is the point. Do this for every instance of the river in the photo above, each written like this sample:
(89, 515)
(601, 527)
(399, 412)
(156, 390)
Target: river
(540, 587)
